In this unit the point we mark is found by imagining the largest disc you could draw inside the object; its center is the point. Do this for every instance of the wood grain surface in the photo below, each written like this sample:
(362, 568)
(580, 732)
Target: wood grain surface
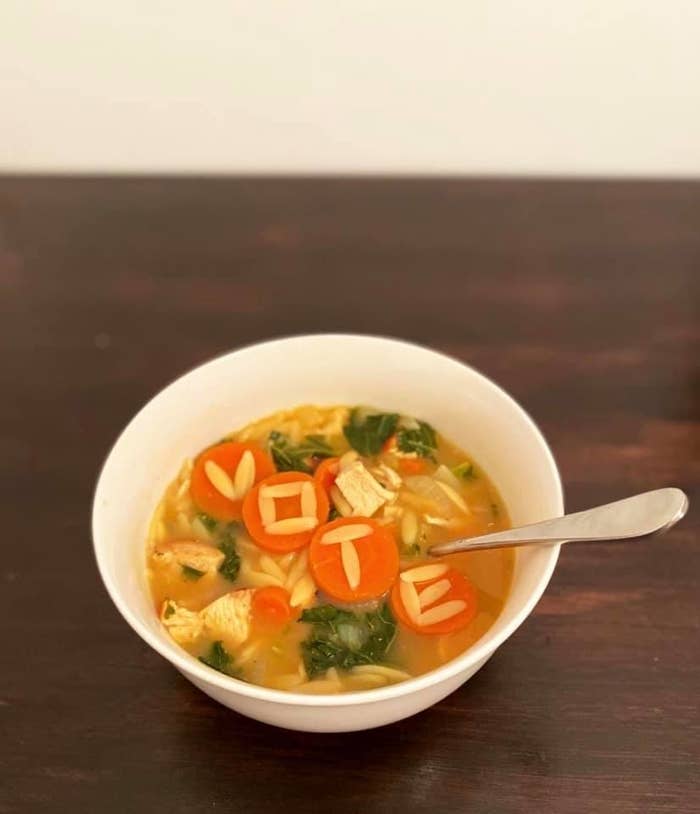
(582, 299)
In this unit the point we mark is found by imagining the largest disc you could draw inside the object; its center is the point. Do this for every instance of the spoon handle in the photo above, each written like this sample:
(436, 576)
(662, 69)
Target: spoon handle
(628, 519)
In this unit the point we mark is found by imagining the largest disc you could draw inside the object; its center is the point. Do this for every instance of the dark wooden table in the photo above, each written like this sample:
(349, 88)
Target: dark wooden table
(582, 299)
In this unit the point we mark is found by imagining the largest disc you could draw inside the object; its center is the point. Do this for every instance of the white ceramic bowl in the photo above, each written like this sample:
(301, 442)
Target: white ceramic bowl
(323, 369)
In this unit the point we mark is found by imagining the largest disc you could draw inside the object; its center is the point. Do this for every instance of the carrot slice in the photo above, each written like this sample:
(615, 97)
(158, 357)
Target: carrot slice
(412, 466)
(227, 456)
(367, 573)
(284, 509)
(460, 589)
(271, 607)
(326, 472)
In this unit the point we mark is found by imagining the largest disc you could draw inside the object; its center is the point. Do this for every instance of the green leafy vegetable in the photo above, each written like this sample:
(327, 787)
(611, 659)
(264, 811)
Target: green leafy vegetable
(231, 565)
(291, 458)
(169, 611)
(191, 574)
(218, 658)
(225, 538)
(422, 440)
(465, 471)
(367, 436)
(334, 514)
(209, 522)
(343, 639)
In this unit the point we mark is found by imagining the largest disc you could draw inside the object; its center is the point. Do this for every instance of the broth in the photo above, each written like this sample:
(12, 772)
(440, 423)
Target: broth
(250, 574)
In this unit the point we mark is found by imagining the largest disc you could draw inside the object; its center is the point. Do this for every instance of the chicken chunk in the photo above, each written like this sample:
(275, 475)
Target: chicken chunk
(185, 626)
(200, 556)
(362, 491)
(229, 617)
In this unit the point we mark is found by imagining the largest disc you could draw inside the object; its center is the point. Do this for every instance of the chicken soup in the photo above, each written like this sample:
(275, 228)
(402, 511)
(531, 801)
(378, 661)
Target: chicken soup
(292, 552)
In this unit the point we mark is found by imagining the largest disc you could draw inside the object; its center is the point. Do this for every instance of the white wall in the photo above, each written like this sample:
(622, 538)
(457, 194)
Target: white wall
(479, 86)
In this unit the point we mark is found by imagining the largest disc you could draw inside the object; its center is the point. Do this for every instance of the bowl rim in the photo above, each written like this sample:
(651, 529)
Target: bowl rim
(187, 663)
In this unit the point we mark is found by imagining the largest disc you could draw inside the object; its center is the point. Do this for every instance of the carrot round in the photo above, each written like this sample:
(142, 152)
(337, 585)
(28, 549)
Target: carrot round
(376, 554)
(227, 456)
(412, 466)
(284, 508)
(459, 589)
(271, 607)
(326, 472)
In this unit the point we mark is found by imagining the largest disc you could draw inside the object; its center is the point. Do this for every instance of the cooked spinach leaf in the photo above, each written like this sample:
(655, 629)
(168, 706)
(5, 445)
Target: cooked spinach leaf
(367, 436)
(297, 458)
(191, 574)
(422, 440)
(218, 658)
(343, 639)
(231, 565)
(209, 522)
(224, 535)
(466, 471)
(334, 514)
(169, 611)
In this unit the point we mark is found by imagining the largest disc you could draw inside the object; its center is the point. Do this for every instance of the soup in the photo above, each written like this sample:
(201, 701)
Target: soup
(293, 552)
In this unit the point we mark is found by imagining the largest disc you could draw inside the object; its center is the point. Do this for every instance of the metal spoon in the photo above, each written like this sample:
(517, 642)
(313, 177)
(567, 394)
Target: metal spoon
(629, 519)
